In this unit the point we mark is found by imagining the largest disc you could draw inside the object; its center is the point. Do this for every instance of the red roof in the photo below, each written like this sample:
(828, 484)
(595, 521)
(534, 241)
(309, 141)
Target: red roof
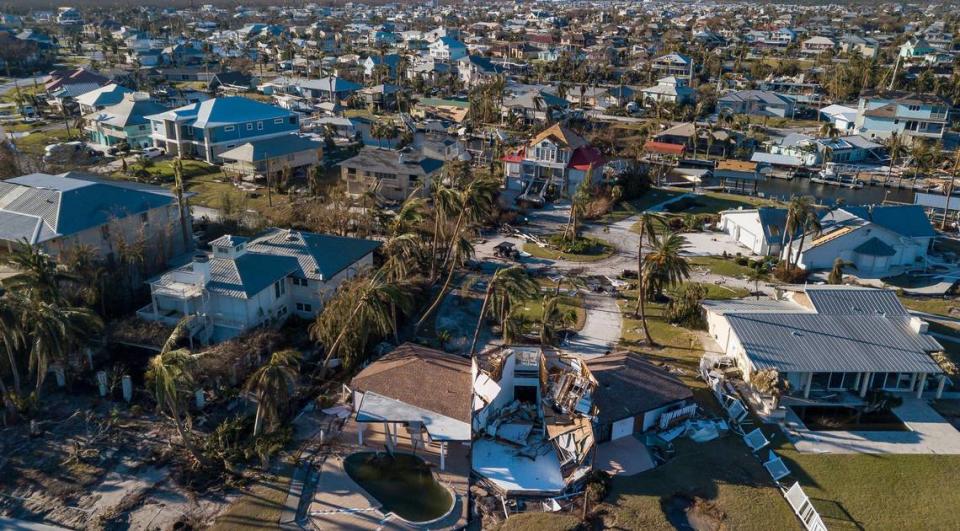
(586, 157)
(664, 147)
(516, 156)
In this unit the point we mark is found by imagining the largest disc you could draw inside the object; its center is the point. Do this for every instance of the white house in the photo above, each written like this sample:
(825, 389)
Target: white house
(244, 283)
(447, 49)
(828, 340)
(878, 240)
(760, 230)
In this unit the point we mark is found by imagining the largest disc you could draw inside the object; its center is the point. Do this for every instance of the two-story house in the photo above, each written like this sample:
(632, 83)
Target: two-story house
(554, 163)
(244, 283)
(673, 64)
(59, 213)
(881, 115)
(756, 103)
(123, 122)
(447, 49)
(207, 129)
(101, 97)
(390, 174)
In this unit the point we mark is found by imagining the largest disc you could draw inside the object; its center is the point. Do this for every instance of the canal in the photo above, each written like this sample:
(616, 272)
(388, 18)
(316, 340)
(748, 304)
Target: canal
(826, 194)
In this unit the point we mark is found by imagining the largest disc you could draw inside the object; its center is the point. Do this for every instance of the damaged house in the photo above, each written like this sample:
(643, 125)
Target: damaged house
(532, 421)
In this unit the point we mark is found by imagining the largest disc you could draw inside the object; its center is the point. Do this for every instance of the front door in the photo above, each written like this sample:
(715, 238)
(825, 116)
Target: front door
(622, 428)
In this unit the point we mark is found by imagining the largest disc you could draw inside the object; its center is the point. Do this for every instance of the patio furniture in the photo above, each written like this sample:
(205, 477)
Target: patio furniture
(756, 440)
(776, 467)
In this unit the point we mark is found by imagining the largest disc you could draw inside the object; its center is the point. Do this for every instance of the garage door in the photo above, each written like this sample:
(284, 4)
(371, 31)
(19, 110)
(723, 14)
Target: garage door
(747, 238)
(622, 428)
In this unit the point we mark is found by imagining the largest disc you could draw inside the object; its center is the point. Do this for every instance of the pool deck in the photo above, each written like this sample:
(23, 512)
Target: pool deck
(929, 433)
(339, 503)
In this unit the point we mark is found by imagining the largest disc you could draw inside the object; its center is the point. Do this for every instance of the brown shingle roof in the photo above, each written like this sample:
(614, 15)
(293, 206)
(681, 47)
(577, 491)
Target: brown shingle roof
(629, 385)
(423, 377)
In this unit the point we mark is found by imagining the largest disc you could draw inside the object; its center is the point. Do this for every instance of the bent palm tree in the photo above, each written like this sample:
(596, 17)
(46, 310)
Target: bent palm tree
(170, 378)
(52, 331)
(273, 386)
(507, 286)
(372, 299)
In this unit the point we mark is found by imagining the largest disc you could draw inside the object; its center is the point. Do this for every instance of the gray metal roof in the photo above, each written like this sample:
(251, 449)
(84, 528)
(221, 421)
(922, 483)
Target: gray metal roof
(846, 300)
(723, 307)
(809, 342)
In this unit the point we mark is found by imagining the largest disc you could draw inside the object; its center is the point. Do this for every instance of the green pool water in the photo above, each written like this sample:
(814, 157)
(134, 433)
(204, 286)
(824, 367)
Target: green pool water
(402, 483)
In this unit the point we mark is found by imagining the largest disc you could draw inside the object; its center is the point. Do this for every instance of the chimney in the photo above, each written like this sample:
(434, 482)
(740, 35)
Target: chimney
(918, 325)
(201, 269)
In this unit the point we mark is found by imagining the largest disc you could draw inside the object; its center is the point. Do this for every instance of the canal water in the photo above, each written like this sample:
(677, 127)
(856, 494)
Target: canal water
(826, 194)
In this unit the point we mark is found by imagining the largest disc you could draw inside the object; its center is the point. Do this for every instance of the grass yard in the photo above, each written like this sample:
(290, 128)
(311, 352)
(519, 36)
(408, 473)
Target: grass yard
(540, 522)
(211, 190)
(934, 305)
(714, 202)
(162, 170)
(719, 292)
(653, 197)
(34, 143)
(260, 505)
(878, 491)
(600, 250)
(533, 309)
(718, 265)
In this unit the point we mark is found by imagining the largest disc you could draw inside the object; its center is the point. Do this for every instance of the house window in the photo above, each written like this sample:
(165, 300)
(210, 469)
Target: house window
(259, 126)
(279, 288)
(250, 126)
(303, 307)
(144, 218)
(278, 121)
(228, 128)
(300, 282)
(293, 120)
(913, 107)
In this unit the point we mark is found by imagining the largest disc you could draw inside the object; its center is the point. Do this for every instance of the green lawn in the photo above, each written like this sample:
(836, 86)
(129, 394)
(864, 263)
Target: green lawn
(210, 190)
(714, 202)
(601, 251)
(718, 265)
(717, 292)
(162, 170)
(540, 522)
(879, 491)
(653, 197)
(533, 309)
(934, 305)
(34, 143)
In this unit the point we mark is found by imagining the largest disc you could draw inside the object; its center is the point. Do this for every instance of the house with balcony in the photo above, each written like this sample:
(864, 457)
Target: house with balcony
(817, 45)
(670, 90)
(830, 343)
(123, 122)
(447, 49)
(883, 114)
(673, 65)
(553, 164)
(207, 129)
(244, 283)
(390, 174)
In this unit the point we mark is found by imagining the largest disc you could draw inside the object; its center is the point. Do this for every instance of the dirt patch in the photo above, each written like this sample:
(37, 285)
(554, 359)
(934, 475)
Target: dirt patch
(693, 514)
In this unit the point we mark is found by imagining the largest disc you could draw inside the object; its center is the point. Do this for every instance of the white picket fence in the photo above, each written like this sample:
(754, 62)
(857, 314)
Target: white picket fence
(737, 411)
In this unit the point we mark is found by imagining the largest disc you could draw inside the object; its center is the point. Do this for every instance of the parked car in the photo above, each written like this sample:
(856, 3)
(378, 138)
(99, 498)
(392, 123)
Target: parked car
(153, 152)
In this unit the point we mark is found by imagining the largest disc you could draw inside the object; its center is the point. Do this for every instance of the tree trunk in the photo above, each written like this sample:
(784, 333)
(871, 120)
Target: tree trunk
(14, 370)
(434, 247)
(436, 303)
(796, 260)
(483, 310)
(336, 342)
(258, 420)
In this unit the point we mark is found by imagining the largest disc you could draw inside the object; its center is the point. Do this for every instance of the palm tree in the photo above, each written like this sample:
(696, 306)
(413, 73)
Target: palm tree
(53, 331)
(647, 231)
(507, 285)
(11, 336)
(554, 319)
(836, 273)
(578, 203)
(922, 157)
(663, 266)
(474, 202)
(372, 299)
(182, 206)
(799, 208)
(38, 275)
(809, 222)
(446, 201)
(170, 377)
(273, 386)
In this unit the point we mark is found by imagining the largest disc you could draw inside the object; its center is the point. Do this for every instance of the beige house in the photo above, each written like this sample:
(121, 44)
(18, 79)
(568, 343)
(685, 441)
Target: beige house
(272, 157)
(393, 175)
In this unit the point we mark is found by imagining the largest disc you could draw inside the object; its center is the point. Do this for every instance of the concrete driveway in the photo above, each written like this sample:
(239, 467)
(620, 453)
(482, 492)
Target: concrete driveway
(601, 330)
(626, 455)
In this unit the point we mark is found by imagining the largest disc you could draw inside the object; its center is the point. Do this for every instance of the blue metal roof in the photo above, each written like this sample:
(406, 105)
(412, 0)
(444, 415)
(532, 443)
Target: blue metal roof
(907, 220)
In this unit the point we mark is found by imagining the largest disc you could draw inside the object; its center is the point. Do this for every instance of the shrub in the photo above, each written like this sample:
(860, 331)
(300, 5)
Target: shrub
(686, 306)
(791, 275)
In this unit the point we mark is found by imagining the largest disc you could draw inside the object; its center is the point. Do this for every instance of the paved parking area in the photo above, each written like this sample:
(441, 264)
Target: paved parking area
(713, 244)
(929, 434)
